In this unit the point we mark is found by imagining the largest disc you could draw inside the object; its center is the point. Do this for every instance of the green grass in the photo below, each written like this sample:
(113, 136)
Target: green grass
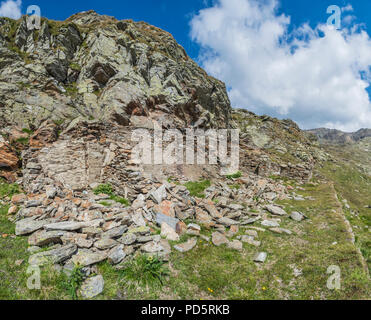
(109, 191)
(105, 203)
(8, 190)
(233, 275)
(197, 189)
(234, 176)
(355, 187)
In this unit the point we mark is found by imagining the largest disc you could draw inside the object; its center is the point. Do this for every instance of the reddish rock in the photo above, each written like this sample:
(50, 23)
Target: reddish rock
(8, 158)
(13, 210)
(166, 208)
(181, 228)
(204, 218)
(46, 134)
(19, 198)
(86, 204)
(150, 204)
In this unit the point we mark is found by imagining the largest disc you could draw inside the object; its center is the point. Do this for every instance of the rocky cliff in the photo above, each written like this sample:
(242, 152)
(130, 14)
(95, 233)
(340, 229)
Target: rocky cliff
(96, 67)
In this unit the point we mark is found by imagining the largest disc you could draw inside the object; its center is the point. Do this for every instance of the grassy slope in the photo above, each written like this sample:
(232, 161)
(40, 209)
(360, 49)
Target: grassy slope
(355, 187)
(221, 273)
(225, 274)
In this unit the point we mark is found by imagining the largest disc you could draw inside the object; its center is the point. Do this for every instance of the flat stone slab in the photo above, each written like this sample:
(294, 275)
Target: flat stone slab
(218, 239)
(168, 232)
(92, 287)
(88, 258)
(43, 238)
(159, 195)
(280, 231)
(227, 222)
(116, 255)
(269, 223)
(28, 226)
(162, 218)
(105, 243)
(115, 232)
(187, 246)
(235, 245)
(261, 257)
(66, 226)
(297, 216)
(53, 256)
(128, 239)
(275, 210)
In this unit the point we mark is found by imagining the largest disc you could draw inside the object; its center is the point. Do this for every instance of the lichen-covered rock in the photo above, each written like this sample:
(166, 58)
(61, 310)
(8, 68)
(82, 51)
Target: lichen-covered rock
(96, 66)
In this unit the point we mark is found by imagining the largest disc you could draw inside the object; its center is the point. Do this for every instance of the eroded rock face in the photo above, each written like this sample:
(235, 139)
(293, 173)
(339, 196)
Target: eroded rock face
(95, 66)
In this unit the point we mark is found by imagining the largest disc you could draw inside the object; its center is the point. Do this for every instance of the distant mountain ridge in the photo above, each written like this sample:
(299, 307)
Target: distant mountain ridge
(339, 137)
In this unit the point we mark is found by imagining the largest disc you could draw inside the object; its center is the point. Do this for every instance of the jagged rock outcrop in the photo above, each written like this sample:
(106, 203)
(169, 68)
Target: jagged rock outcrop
(272, 147)
(94, 66)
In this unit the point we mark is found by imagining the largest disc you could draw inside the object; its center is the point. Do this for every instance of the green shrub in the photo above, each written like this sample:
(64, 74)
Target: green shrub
(145, 271)
(73, 283)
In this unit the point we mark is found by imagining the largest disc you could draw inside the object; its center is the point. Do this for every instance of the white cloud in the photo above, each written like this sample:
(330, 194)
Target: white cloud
(318, 77)
(347, 8)
(11, 9)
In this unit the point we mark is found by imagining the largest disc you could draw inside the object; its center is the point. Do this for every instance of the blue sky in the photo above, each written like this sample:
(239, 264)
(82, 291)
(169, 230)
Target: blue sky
(257, 48)
(174, 16)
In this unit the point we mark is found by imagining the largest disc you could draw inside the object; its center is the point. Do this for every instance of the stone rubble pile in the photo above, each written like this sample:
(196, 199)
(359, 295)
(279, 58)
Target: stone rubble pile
(82, 228)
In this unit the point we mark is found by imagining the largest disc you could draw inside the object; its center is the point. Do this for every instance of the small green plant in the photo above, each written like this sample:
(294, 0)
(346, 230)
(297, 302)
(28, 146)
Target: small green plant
(74, 282)
(104, 189)
(234, 176)
(197, 189)
(25, 141)
(75, 66)
(235, 187)
(145, 271)
(105, 203)
(121, 200)
(72, 90)
(59, 122)
(28, 131)
(108, 190)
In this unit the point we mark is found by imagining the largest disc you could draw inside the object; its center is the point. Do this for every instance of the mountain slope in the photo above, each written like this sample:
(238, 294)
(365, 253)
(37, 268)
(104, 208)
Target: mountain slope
(76, 204)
